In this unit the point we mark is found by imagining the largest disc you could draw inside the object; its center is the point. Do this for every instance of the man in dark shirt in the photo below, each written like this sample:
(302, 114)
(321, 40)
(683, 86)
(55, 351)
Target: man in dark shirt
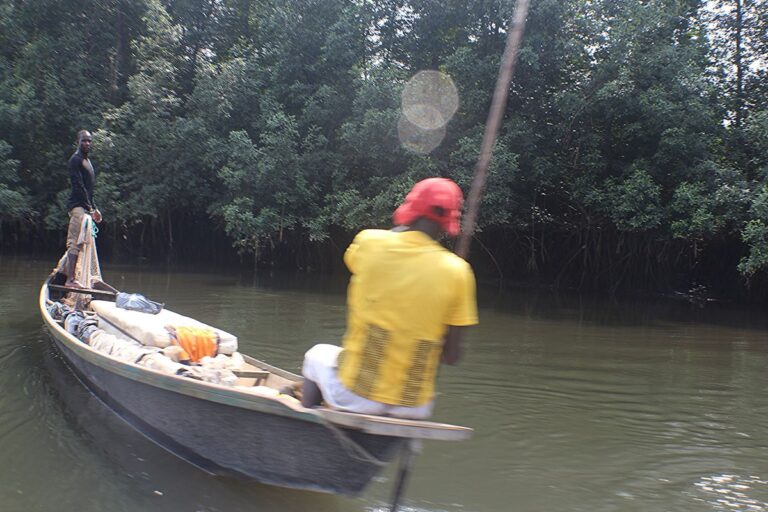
(82, 176)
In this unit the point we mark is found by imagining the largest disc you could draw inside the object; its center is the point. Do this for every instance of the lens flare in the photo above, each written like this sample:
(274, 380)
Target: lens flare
(430, 99)
(417, 139)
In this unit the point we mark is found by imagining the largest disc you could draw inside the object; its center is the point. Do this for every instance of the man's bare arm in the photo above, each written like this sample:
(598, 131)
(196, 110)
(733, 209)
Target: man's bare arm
(452, 344)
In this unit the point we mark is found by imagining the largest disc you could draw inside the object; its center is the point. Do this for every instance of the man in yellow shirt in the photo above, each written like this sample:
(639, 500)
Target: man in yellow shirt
(409, 302)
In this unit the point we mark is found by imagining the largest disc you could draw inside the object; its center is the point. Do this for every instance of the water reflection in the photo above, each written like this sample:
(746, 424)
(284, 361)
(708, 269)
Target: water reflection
(733, 492)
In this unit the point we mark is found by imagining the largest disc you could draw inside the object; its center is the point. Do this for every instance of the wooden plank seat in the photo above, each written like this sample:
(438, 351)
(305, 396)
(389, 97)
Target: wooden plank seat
(258, 375)
(397, 427)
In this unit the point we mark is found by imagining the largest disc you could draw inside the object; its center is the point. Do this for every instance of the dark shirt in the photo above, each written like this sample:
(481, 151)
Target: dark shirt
(82, 181)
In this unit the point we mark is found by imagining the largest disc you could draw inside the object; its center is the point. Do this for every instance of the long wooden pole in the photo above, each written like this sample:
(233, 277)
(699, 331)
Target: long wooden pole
(495, 116)
(410, 449)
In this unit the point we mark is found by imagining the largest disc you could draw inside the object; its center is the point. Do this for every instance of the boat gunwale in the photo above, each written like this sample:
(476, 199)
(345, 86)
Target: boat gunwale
(176, 383)
(373, 425)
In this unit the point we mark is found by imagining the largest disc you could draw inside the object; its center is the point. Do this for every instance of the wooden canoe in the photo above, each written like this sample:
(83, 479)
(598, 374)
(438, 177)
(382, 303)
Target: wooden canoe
(227, 431)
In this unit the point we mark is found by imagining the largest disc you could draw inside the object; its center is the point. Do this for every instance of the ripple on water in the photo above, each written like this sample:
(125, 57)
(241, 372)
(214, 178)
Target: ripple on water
(733, 492)
(386, 507)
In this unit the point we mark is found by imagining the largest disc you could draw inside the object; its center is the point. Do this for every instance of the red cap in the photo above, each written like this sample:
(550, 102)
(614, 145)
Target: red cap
(437, 199)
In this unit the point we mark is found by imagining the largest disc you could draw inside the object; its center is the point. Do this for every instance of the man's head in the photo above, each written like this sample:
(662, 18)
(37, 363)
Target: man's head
(435, 199)
(84, 140)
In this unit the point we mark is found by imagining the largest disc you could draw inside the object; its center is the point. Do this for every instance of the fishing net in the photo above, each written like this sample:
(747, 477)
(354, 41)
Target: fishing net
(87, 269)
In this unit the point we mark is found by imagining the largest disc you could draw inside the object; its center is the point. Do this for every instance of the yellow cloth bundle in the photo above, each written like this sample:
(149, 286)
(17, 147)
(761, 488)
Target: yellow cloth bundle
(197, 342)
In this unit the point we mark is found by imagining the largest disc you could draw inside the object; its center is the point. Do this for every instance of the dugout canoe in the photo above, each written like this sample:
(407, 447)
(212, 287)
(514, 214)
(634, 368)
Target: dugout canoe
(229, 432)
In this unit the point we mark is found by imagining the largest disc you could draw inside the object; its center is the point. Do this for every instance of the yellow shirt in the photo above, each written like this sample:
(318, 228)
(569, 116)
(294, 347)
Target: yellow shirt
(405, 290)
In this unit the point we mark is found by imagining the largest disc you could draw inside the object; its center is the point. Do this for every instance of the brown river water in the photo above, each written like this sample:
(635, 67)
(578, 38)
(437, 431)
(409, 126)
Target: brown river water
(579, 405)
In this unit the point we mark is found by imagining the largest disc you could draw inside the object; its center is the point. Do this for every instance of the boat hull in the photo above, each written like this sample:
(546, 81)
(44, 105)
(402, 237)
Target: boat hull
(283, 449)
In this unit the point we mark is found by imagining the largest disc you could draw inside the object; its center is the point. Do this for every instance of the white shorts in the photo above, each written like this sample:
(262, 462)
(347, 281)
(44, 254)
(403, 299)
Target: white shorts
(320, 366)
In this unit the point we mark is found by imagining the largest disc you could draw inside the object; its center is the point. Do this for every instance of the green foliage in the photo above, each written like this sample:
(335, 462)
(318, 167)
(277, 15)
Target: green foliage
(755, 234)
(268, 190)
(634, 203)
(277, 122)
(756, 140)
(14, 199)
(501, 203)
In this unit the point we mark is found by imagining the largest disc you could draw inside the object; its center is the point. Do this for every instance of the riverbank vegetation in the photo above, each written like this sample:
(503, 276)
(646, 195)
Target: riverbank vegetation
(634, 151)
